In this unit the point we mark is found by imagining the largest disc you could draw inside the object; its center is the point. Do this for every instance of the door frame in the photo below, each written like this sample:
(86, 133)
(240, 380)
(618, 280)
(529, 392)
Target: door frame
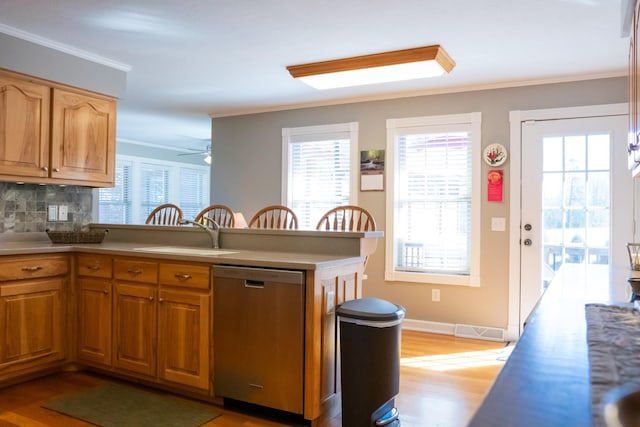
(516, 117)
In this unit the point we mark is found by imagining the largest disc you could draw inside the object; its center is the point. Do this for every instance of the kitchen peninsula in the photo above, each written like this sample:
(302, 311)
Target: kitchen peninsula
(546, 380)
(140, 305)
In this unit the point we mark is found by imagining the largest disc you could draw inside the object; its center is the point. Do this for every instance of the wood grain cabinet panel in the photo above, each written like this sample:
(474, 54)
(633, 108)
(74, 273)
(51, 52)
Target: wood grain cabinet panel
(135, 270)
(83, 137)
(24, 127)
(94, 265)
(32, 313)
(32, 267)
(134, 327)
(183, 337)
(52, 133)
(32, 322)
(95, 308)
(161, 320)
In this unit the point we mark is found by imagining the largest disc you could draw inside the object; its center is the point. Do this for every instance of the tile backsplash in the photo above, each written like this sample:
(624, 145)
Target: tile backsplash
(24, 207)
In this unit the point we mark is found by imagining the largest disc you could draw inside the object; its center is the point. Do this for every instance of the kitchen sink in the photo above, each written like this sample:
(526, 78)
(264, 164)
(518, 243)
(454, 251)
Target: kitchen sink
(182, 250)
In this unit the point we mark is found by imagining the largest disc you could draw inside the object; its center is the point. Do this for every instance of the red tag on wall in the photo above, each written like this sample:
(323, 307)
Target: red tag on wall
(494, 185)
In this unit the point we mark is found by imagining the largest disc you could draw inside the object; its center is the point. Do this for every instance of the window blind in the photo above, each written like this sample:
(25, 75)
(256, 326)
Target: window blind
(114, 204)
(319, 178)
(433, 215)
(194, 191)
(155, 188)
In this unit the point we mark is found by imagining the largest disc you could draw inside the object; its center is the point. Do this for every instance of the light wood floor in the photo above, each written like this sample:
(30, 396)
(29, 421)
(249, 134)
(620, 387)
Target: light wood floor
(443, 380)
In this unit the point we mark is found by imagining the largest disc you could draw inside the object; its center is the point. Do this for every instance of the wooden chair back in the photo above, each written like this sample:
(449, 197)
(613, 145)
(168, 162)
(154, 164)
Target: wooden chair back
(221, 214)
(347, 218)
(166, 214)
(275, 217)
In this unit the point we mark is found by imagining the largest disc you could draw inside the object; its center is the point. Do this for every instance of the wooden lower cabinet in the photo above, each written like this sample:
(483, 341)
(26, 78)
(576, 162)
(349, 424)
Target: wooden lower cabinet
(32, 313)
(183, 337)
(94, 325)
(134, 327)
(326, 289)
(145, 318)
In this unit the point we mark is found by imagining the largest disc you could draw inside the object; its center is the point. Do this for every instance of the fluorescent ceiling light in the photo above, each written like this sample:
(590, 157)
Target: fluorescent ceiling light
(406, 64)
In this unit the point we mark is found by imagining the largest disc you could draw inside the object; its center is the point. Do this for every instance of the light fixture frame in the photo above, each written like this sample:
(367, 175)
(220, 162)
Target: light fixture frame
(397, 57)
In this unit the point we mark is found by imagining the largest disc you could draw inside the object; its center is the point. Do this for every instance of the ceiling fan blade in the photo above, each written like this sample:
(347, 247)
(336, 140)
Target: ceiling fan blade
(200, 153)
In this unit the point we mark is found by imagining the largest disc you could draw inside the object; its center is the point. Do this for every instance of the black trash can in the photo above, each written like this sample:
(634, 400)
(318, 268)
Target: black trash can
(370, 361)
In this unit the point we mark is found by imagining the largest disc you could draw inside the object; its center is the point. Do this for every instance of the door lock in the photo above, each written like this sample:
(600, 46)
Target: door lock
(527, 227)
(527, 242)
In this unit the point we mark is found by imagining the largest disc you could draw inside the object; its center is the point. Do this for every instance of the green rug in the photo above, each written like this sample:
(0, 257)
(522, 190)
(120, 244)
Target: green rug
(112, 404)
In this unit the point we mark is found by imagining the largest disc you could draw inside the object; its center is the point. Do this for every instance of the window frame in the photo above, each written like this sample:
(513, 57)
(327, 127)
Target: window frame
(470, 122)
(301, 134)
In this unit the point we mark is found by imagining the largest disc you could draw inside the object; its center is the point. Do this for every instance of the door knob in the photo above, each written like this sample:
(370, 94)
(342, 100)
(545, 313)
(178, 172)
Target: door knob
(527, 242)
(527, 227)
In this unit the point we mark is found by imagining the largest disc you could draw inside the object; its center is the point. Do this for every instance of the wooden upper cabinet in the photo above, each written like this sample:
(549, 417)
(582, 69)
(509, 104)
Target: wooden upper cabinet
(50, 133)
(83, 137)
(24, 127)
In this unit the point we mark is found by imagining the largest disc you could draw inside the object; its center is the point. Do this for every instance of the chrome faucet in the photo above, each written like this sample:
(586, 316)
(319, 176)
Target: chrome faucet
(213, 230)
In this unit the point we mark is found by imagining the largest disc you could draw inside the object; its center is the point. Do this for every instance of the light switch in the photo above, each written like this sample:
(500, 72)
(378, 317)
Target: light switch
(63, 212)
(52, 214)
(498, 224)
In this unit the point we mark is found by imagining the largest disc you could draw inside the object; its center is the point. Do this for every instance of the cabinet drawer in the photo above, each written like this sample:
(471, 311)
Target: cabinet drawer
(33, 267)
(94, 266)
(136, 270)
(185, 275)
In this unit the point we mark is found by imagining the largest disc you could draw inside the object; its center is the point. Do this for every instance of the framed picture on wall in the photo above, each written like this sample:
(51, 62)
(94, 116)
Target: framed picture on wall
(372, 170)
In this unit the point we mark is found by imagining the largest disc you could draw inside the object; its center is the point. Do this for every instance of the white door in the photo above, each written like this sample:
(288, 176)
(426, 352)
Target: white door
(576, 208)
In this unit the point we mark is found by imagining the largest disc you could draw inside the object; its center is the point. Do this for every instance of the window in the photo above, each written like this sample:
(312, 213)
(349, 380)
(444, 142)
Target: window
(142, 184)
(115, 203)
(433, 199)
(194, 190)
(319, 172)
(155, 188)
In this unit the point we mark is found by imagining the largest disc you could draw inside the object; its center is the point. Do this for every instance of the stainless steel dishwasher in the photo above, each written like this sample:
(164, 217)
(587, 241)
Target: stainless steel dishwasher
(258, 342)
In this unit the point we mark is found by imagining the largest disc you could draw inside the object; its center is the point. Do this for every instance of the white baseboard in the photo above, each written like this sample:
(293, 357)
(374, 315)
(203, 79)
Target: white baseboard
(460, 330)
(427, 326)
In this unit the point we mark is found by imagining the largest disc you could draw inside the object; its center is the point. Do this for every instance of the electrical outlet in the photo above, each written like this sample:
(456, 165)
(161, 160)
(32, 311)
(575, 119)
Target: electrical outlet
(52, 213)
(63, 213)
(435, 295)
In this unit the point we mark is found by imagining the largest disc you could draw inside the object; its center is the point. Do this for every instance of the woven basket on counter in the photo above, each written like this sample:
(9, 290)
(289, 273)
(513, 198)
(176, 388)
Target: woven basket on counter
(76, 236)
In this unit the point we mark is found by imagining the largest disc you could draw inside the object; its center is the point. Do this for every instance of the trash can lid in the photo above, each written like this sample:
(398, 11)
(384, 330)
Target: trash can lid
(371, 309)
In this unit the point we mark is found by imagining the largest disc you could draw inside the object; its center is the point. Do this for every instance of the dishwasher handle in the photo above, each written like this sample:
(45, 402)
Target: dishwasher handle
(254, 284)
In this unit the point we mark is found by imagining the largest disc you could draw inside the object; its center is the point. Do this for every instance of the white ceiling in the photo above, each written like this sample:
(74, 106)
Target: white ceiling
(192, 59)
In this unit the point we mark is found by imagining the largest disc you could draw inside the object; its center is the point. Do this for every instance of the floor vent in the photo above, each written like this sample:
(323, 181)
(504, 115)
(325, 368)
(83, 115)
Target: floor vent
(479, 332)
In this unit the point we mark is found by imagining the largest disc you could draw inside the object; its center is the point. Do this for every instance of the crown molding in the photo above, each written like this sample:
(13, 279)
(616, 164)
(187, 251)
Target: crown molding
(61, 47)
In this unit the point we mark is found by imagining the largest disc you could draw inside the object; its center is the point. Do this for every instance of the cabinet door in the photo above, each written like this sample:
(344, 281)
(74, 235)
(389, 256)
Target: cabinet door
(33, 328)
(135, 327)
(94, 320)
(183, 337)
(83, 137)
(24, 127)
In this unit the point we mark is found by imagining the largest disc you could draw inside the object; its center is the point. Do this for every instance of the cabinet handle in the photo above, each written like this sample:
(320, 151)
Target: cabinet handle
(182, 276)
(151, 298)
(56, 169)
(93, 267)
(134, 272)
(44, 168)
(31, 269)
(160, 299)
(106, 291)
